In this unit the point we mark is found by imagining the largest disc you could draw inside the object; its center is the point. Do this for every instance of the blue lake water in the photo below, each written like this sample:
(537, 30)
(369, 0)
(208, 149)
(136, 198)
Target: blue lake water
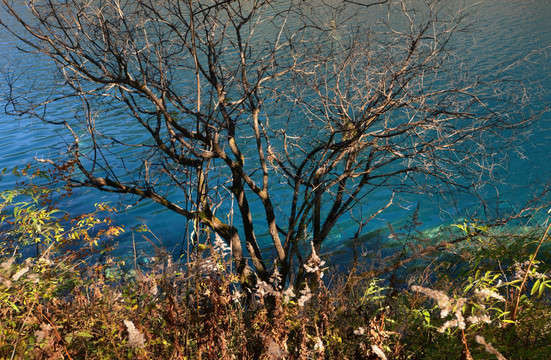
(502, 33)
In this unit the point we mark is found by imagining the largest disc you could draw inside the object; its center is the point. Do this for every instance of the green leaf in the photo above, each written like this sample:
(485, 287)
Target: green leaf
(426, 316)
(84, 334)
(535, 287)
(14, 306)
(542, 287)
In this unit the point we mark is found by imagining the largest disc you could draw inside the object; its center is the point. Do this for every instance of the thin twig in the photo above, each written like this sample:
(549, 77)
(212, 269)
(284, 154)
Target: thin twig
(468, 355)
(14, 352)
(528, 271)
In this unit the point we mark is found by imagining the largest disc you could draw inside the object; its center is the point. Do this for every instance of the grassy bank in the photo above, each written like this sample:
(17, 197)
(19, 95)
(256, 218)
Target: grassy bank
(478, 294)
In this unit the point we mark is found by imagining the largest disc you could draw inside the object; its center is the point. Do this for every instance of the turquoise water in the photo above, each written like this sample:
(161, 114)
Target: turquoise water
(502, 33)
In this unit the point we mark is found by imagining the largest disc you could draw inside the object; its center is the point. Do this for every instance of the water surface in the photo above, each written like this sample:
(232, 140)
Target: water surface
(508, 38)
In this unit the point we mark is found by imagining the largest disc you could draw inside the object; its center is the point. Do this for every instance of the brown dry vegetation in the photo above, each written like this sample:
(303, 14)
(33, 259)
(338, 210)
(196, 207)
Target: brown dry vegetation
(58, 306)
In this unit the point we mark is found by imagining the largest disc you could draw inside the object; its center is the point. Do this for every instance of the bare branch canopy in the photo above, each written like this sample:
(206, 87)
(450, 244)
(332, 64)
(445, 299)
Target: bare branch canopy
(293, 111)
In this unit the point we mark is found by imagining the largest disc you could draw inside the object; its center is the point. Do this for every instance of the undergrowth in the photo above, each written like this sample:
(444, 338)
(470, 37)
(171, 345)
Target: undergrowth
(482, 298)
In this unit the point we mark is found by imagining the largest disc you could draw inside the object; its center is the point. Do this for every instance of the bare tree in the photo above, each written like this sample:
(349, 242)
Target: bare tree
(241, 101)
